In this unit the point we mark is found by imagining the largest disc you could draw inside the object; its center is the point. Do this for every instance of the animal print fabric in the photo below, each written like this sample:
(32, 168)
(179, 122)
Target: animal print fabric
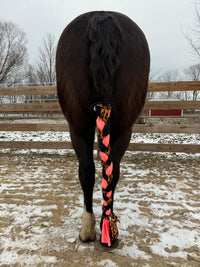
(103, 125)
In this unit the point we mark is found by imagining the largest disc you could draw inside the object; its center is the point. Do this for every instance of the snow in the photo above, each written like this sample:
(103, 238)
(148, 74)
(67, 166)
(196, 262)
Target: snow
(11, 257)
(156, 200)
(133, 252)
(181, 239)
(135, 138)
(65, 136)
(147, 211)
(107, 263)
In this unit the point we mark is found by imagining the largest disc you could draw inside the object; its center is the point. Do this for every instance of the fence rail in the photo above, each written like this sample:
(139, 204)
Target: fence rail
(137, 128)
(174, 86)
(51, 90)
(29, 90)
(54, 106)
(185, 148)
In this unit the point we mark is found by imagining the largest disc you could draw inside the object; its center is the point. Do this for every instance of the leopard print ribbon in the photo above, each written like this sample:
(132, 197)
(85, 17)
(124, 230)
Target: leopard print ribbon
(103, 125)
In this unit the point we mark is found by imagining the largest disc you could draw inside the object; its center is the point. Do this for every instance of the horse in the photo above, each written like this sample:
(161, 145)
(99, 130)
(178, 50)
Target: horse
(102, 69)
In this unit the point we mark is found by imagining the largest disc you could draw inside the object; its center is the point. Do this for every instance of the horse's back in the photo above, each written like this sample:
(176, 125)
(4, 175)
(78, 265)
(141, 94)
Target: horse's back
(72, 67)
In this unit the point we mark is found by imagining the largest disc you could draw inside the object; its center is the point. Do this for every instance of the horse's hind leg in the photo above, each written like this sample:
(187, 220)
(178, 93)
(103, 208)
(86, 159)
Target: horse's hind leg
(83, 146)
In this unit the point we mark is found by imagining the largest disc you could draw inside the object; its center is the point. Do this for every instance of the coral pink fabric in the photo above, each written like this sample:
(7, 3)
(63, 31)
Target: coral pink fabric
(105, 203)
(100, 123)
(108, 212)
(109, 194)
(106, 140)
(104, 183)
(105, 234)
(109, 169)
(103, 156)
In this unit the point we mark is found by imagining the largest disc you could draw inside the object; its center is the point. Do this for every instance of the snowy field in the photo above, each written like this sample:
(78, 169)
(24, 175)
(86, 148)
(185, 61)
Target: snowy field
(41, 203)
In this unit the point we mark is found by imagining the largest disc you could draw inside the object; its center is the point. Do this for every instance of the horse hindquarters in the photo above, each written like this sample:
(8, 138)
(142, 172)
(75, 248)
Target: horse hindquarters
(102, 58)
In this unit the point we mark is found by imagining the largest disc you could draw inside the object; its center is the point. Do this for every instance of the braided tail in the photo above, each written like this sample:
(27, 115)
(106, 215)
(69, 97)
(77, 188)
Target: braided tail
(109, 220)
(104, 36)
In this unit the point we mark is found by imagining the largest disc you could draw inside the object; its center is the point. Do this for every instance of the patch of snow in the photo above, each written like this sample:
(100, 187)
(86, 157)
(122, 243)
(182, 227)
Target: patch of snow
(180, 238)
(12, 257)
(134, 252)
(107, 263)
(71, 240)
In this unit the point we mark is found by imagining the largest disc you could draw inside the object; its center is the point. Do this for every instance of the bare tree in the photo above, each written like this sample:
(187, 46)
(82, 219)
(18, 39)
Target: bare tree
(193, 37)
(31, 75)
(13, 53)
(170, 76)
(45, 69)
(153, 77)
(193, 73)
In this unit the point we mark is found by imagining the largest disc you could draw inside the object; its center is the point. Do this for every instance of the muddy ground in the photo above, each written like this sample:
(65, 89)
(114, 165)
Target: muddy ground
(157, 202)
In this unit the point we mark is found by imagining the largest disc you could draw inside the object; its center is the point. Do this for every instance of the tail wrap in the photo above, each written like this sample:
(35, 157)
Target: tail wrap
(109, 220)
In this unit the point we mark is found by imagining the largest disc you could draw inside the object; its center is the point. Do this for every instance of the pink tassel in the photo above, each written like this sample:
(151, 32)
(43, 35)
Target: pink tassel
(105, 235)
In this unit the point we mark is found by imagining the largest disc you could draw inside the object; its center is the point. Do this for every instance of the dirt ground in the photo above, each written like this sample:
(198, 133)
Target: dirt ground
(157, 202)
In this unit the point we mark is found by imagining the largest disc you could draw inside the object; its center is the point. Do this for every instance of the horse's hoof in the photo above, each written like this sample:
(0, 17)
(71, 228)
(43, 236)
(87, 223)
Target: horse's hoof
(88, 233)
(84, 236)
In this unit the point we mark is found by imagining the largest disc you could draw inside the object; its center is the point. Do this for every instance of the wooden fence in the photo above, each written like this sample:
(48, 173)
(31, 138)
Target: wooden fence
(137, 128)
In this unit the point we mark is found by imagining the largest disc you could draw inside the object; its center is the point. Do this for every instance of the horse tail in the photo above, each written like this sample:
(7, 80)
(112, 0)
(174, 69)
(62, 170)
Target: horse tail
(109, 220)
(104, 36)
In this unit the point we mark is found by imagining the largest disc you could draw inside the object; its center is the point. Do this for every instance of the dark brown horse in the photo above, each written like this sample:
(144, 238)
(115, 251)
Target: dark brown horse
(102, 58)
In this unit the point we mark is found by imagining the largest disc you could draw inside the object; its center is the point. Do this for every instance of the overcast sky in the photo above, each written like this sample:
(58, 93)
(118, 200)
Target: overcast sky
(162, 21)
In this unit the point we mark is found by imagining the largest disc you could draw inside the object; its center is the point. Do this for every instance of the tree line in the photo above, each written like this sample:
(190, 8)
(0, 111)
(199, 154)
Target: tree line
(15, 69)
(14, 66)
